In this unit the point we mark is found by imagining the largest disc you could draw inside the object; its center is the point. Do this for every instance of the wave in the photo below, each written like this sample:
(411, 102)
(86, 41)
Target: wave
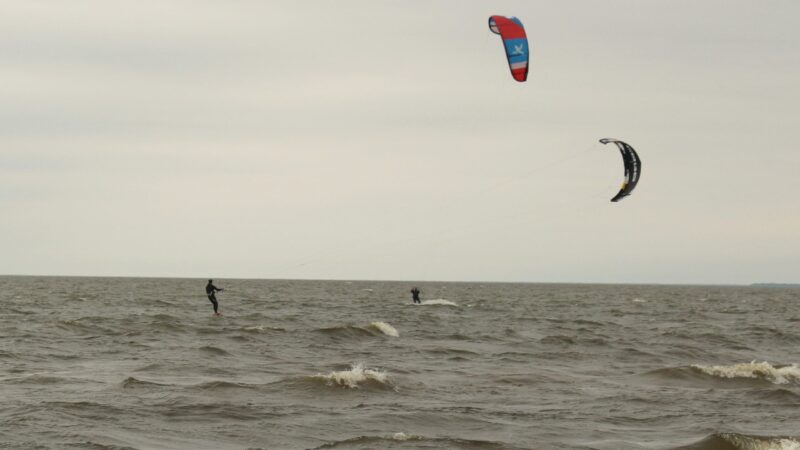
(214, 351)
(43, 380)
(163, 317)
(262, 329)
(357, 376)
(450, 351)
(175, 410)
(557, 340)
(8, 355)
(513, 356)
(148, 367)
(384, 328)
(90, 445)
(737, 374)
(85, 409)
(775, 395)
(397, 440)
(592, 323)
(167, 322)
(785, 337)
(525, 379)
(88, 326)
(735, 441)
(437, 301)
(132, 383)
(220, 385)
(350, 331)
(353, 331)
(755, 370)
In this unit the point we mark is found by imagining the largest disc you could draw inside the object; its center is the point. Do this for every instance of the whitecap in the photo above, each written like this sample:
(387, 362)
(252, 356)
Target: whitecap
(262, 328)
(356, 375)
(758, 370)
(438, 301)
(759, 443)
(401, 436)
(385, 328)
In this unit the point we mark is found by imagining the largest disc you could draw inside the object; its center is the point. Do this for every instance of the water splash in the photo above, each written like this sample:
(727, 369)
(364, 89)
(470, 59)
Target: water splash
(755, 370)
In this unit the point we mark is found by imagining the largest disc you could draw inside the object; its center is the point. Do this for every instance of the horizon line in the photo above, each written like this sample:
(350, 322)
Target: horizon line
(648, 283)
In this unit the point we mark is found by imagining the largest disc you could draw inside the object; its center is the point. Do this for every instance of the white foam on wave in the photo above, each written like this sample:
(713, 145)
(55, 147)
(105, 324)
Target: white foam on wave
(758, 370)
(261, 328)
(356, 375)
(639, 300)
(401, 436)
(753, 443)
(438, 301)
(385, 328)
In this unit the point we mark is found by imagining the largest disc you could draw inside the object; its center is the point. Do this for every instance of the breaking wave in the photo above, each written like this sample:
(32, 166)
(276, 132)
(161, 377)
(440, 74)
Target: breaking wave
(398, 440)
(438, 301)
(747, 374)
(734, 441)
(262, 329)
(353, 331)
(755, 370)
(357, 376)
(384, 328)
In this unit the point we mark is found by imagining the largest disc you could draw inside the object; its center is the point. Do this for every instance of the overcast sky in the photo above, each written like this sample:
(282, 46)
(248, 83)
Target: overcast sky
(387, 140)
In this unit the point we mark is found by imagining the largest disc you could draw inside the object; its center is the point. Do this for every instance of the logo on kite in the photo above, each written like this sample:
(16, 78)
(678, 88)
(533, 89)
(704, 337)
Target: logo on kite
(515, 42)
(633, 168)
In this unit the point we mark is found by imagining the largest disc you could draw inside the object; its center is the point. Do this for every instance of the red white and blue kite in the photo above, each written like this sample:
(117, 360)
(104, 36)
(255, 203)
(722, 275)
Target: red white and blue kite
(516, 43)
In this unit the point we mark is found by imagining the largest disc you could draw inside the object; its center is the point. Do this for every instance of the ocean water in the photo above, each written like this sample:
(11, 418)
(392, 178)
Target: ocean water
(133, 363)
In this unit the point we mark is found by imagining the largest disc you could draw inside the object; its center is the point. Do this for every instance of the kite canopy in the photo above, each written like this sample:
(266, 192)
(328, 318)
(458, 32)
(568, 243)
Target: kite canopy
(516, 44)
(633, 168)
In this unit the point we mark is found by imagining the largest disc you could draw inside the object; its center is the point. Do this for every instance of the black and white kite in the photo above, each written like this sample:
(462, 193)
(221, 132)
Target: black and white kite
(633, 168)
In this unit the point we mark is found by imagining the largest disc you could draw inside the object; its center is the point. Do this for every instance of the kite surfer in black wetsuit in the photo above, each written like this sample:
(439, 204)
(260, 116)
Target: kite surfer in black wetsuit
(211, 290)
(415, 295)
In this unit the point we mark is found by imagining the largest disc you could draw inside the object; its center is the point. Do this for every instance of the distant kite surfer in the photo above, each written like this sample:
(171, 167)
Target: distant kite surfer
(415, 295)
(211, 291)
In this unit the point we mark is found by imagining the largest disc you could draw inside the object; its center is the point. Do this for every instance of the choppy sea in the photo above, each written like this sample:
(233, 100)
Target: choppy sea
(134, 363)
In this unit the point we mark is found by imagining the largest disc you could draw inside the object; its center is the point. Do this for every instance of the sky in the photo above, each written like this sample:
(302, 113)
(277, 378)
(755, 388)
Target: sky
(386, 140)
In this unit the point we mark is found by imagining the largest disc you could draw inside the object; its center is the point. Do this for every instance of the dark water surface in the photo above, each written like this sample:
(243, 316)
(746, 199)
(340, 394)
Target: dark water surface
(105, 363)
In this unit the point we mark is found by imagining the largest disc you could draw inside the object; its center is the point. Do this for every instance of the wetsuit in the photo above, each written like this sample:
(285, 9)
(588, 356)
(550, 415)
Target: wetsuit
(210, 291)
(415, 295)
